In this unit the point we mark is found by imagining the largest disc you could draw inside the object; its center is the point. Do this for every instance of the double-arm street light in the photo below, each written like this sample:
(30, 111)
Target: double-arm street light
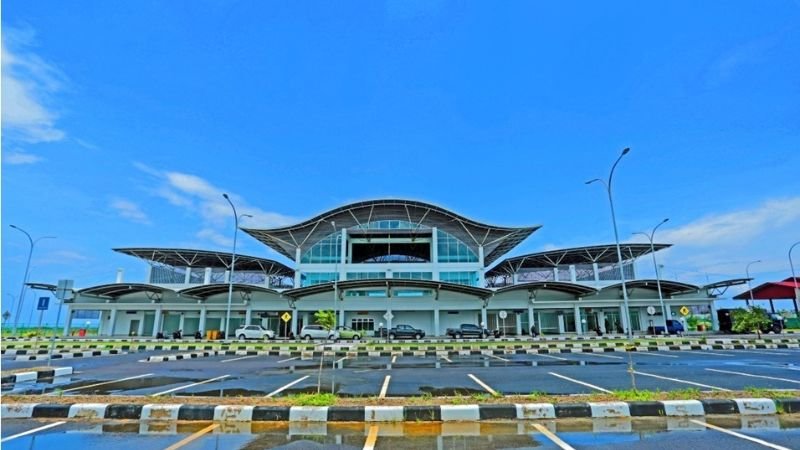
(607, 185)
(21, 298)
(794, 278)
(337, 252)
(749, 288)
(655, 266)
(236, 217)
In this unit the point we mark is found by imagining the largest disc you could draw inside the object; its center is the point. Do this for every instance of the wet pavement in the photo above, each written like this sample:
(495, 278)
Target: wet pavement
(656, 433)
(561, 373)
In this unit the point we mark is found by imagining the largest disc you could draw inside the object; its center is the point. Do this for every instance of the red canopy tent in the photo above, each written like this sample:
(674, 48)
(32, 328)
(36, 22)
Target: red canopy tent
(788, 289)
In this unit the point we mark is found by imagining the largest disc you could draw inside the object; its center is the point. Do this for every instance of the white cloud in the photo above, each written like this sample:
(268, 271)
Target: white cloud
(20, 157)
(129, 210)
(208, 234)
(28, 84)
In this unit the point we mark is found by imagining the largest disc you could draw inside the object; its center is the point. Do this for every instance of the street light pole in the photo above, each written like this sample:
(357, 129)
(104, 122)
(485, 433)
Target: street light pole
(794, 278)
(627, 314)
(233, 264)
(21, 298)
(650, 237)
(749, 288)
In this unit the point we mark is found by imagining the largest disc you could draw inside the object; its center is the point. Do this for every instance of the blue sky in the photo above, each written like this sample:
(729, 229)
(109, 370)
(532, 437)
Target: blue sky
(123, 123)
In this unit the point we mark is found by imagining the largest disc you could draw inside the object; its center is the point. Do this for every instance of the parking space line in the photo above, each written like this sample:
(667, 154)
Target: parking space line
(340, 360)
(287, 360)
(394, 358)
(100, 384)
(497, 357)
(483, 385)
(739, 435)
(279, 390)
(446, 359)
(193, 437)
(763, 352)
(653, 354)
(599, 355)
(681, 381)
(385, 386)
(580, 382)
(703, 352)
(754, 376)
(179, 388)
(237, 359)
(550, 435)
(550, 356)
(35, 430)
(372, 437)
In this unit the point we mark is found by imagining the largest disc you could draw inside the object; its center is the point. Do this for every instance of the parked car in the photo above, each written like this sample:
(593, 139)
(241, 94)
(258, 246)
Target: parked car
(405, 331)
(467, 330)
(725, 317)
(254, 332)
(348, 333)
(673, 327)
(318, 332)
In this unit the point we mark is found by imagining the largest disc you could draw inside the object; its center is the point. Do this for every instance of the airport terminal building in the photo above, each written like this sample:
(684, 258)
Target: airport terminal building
(388, 262)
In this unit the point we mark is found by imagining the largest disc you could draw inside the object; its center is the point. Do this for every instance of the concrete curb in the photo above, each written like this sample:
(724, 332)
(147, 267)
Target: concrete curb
(439, 413)
(68, 355)
(37, 375)
(180, 356)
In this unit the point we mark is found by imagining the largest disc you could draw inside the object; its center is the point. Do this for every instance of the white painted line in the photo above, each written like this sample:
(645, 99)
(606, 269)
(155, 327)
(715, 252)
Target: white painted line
(781, 368)
(652, 354)
(279, 390)
(180, 388)
(237, 359)
(550, 435)
(35, 430)
(483, 385)
(100, 384)
(739, 435)
(394, 358)
(385, 386)
(681, 381)
(340, 360)
(446, 358)
(704, 352)
(763, 352)
(580, 382)
(372, 437)
(754, 376)
(497, 357)
(600, 355)
(544, 355)
(193, 437)
(287, 360)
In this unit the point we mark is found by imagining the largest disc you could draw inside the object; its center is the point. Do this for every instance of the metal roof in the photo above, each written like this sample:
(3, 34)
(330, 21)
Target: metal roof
(388, 283)
(42, 286)
(119, 289)
(178, 257)
(207, 290)
(570, 288)
(496, 240)
(577, 255)
(773, 290)
(667, 287)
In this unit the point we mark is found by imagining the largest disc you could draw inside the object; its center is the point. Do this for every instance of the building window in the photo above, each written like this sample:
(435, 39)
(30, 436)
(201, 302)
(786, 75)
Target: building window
(366, 293)
(389, 225)
(362, 324)
(312, 278)
(411, 293)
(365, 275)
(465, 278)
(413, 275)
(326, 251)
(453, 250)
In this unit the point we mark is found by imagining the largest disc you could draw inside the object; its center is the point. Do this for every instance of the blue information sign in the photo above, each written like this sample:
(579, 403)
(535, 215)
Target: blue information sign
(44, 302)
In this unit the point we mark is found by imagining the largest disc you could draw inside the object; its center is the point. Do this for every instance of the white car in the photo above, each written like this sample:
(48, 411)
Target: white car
(254, 332)
(318, 332)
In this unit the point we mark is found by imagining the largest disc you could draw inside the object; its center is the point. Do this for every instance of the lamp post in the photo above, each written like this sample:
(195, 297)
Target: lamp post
(794, 278)
(233, 264)
(616, 239)
(336, 273)
(749, 288)
(655, 266)
(21, 298)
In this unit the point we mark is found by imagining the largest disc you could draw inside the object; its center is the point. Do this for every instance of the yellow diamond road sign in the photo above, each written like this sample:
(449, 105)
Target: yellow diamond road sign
(286, 317)
(684, 311)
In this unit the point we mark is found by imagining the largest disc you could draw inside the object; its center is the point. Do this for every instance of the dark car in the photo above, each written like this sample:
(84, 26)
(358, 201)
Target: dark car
(467, 330)
(673, 327)
(406, 331)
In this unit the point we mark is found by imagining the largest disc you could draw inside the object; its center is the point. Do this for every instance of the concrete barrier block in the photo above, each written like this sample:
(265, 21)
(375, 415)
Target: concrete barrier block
(233, 413)
(87, 411)
(610, 409)
(682, 408)
(160, 412)
(17, 410)
(755, 406)
(383, 413)
(536, 411)
(452, 413)
(308, 414)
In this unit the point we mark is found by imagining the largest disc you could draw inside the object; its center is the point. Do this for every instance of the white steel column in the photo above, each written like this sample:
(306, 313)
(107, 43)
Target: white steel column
(484, 320)
(714, 318)
(297, 274)
(518, 320)
(531, 321)
(573, 274)
(140, 330)
(157, 321)
(578, 323)
(596, 274)
(207, 276)
(202, 325)
(113, 321)
(555, 274)
(248, 314)
(435, 253)
(436, 331)
(623, 318)
(181, 321)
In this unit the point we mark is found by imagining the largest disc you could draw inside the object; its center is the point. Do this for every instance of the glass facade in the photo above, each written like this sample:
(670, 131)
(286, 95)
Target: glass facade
(413, 275)
(389, 225)
(466, 278)
(326, 251)
(453, 250)
(168, 275)
(365, 275)
(310, 279)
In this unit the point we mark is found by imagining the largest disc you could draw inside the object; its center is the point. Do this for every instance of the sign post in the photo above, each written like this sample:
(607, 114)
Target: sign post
(42, 307)
(503, 314)
(63, 293)
(286, 317)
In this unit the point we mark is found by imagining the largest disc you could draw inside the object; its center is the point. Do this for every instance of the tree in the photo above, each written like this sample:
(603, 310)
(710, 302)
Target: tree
(327, 319)
(751, 320)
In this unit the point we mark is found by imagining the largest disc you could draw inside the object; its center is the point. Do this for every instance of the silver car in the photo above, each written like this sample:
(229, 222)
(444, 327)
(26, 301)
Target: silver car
(318, 332)
(254, 332)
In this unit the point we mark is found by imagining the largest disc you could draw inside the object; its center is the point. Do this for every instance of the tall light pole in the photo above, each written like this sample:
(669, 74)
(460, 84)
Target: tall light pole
(21, 298)
(627, 314)
(233, 264)
(794, 278)
(749, 288)
(655, 266)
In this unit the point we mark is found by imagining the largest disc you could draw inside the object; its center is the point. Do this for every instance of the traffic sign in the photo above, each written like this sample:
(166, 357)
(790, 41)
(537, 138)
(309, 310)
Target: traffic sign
(503, 314)
(286, 317)
(44, 302)
(388, 315)
(651, 310)
(684, 311)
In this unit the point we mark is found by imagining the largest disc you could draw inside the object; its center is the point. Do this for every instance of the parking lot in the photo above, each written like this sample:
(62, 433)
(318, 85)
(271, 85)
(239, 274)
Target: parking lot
(402, 376)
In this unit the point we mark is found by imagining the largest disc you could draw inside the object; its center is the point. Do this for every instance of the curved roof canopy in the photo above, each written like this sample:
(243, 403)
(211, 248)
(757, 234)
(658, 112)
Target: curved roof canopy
(602, 254)
(207, 290)
(178, 257)
(667, 287)
(388, 284)
(496, 240)
(569, 288)
(119, 289)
